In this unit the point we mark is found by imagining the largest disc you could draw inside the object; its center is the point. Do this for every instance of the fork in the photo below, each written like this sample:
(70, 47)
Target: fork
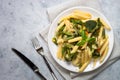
(40, 51)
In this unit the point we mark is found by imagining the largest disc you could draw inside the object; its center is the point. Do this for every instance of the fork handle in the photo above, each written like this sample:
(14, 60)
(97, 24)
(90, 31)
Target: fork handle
(48, 65)
(46, 61)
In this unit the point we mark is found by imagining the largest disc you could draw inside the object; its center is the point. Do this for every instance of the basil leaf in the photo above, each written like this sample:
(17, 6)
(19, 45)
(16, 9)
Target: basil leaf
(90, 25)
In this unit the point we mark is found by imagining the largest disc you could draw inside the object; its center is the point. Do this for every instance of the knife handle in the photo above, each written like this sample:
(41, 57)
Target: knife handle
(29, 63)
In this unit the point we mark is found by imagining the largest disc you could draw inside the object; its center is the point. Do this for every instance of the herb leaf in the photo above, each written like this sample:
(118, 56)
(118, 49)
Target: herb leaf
(90, 25)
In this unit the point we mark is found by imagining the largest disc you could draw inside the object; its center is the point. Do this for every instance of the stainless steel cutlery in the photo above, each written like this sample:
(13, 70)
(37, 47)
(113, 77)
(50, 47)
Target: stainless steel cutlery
(29, 63)
(40, 50)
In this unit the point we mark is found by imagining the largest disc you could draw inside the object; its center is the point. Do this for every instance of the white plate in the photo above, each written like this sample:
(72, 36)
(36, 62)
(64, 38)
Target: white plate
(53, 47)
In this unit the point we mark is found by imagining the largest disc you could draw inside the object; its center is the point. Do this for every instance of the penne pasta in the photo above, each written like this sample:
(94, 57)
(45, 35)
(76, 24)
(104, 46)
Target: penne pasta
(99, 39)
(74, 39)
(89, 52)
(76, 61)
(83, 13)
(60, 41)
(94, 62)
(104, 55)
(85, 55)
(84, 45)
(103, 47)
(60, 25)
(72, 30)
(106, 26)
(66, 17)
(84, 66)
(102, 43)
(81, 16)
(68, 24)
(82, 58)
(100, 33)
(77, 15)
(74, 49)
(59, 52)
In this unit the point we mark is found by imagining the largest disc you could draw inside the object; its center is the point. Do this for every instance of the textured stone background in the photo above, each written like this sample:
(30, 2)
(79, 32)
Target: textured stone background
(20, 18)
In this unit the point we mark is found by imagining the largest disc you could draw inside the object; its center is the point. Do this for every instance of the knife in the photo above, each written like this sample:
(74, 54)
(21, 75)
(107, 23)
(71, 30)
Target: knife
(29, 63)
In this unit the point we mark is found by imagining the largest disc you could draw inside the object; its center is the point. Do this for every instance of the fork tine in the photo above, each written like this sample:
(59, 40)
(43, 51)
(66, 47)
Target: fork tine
(36, 43)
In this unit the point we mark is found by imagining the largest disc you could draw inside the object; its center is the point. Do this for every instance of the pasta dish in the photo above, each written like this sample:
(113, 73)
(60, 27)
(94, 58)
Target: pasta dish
(81, 39)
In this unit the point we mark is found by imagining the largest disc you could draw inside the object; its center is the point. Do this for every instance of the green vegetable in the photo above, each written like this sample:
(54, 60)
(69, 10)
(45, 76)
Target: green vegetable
(91, 40)
(96, 33)
(69, 37)
(70, 56)
(80, 65)
(76, 21)
(90, 25)
(95, 54)
(81, 43)
(97, 28)
(54, 40)
(63, 50)
(60, 31)
(67, 33)
(83, 35)
(67, 57)
(103, 33)
(77, 24)
(58, 24)
(84, 39)
(68, 45)
(66, 48)
(76, 33)
(99, 23)
(66, 52)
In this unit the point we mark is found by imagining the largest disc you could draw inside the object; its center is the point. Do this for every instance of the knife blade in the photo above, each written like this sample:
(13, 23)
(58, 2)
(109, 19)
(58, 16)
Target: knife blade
(29, 63)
